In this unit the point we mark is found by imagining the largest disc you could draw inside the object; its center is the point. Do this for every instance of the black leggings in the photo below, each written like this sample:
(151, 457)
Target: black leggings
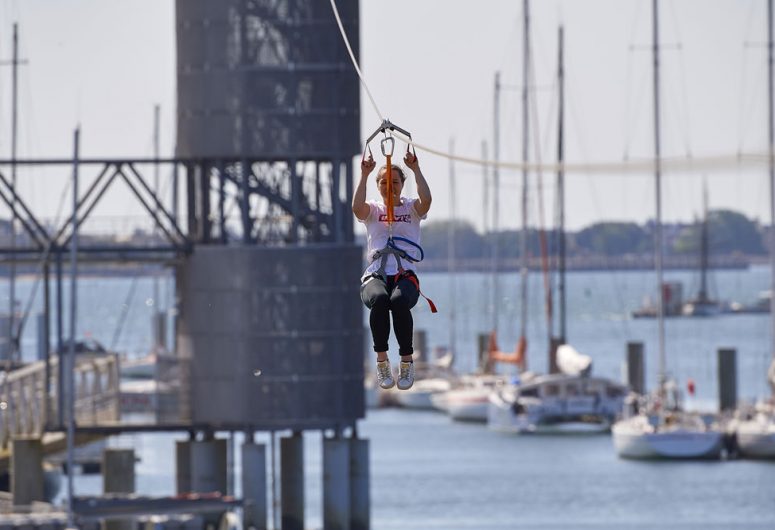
(381, 298)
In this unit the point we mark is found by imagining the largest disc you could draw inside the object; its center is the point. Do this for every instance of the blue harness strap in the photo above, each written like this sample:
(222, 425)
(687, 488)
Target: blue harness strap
(391, 249)
(391, 243)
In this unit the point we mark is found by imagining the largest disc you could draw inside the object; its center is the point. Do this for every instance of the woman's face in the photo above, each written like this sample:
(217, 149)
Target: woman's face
(382, 183)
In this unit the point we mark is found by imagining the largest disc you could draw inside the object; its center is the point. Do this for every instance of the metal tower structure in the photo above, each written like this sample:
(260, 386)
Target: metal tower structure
(268, 124)
(267, 99)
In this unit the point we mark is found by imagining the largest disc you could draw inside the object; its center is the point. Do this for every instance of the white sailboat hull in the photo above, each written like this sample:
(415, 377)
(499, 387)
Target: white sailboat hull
(419, 400)
(419, 396)
(468, 401)
(575, 427)
(632, 440)
(464, 404)
(756, 439)
(473, 411)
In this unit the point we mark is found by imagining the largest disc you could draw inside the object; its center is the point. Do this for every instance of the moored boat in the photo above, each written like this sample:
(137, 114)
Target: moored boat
(420, 395)
(556, 403)
(468, 400)
(674, 435)
(756, 436)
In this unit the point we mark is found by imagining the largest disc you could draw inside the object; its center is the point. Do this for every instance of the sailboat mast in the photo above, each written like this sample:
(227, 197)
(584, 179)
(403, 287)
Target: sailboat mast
(561, 184)
(12, 350)
(525, 118)
(159, 341)
(771, 152)
(485, 213)
(703, 294)
(451, 252)
(496, 148)
(658, 191)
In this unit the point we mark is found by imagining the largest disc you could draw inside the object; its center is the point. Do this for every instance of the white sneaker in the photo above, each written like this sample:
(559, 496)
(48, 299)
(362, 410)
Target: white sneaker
(405, 375)
(385, 374)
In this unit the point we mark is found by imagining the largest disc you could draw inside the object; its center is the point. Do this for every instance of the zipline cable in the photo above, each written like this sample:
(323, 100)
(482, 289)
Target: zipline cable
(352, 58)
(647, 165)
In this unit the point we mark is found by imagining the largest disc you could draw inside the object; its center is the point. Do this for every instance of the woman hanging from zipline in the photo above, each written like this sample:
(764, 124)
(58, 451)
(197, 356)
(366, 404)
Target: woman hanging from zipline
(389, 284)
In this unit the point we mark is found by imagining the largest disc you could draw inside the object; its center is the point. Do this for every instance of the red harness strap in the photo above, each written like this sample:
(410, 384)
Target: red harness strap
(412, 278)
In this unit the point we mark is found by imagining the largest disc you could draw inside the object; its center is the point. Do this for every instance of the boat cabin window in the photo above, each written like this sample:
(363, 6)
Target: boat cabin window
(614, 392)
(571, 390)
(529, 392)
(551, 390)
(591, 390)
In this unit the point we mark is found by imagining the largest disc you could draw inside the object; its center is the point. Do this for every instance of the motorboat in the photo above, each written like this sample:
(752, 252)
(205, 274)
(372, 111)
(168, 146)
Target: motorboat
(556, 403)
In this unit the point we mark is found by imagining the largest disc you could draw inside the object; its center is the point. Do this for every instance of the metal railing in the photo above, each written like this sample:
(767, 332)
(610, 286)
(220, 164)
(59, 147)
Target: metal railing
(23, 407)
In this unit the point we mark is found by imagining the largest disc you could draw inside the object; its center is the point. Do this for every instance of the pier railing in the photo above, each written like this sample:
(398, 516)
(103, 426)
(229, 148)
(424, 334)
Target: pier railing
(25, 412)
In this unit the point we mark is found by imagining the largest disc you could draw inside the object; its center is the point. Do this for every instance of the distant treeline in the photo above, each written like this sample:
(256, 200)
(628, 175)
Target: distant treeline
(729, 233)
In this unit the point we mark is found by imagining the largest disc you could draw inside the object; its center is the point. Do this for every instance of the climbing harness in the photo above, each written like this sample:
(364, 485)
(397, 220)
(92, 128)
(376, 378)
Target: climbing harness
(387, 145)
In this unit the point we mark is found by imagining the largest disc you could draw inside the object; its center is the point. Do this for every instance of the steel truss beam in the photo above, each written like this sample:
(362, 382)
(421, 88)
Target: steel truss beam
(249, 200)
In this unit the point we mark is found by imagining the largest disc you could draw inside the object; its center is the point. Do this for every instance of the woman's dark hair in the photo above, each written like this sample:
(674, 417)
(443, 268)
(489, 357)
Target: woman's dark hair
(396, 168)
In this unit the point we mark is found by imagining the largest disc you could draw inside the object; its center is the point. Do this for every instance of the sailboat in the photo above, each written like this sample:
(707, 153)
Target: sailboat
(567, 399)
(661, 428)
(467, 399)
(756, 433)
(703, 305)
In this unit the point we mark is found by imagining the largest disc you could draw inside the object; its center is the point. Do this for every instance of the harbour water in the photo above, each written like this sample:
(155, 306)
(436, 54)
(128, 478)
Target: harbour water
(430, 472)
(599, 324)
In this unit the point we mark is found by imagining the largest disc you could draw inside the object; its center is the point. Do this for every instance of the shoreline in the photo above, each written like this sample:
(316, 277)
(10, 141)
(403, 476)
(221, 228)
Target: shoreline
(594, 263)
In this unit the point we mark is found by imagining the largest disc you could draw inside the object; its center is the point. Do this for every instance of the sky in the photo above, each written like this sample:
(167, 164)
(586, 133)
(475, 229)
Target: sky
(430, 65)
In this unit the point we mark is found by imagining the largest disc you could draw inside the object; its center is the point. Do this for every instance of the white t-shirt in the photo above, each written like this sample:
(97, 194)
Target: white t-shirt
(406, 225)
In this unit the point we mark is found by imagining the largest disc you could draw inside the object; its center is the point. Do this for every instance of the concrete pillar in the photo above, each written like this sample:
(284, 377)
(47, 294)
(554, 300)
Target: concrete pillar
(159, 327)
(254, 486)
(727, 379)
(360, 497)
(336, 484)
(208, 466)
(635, 370)
(292, 482)
(27, 470)
(483, 342)
(118, 471)
(420, 345)
(183, 466)
(42, 338)
(208, 471)
(554, 343)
